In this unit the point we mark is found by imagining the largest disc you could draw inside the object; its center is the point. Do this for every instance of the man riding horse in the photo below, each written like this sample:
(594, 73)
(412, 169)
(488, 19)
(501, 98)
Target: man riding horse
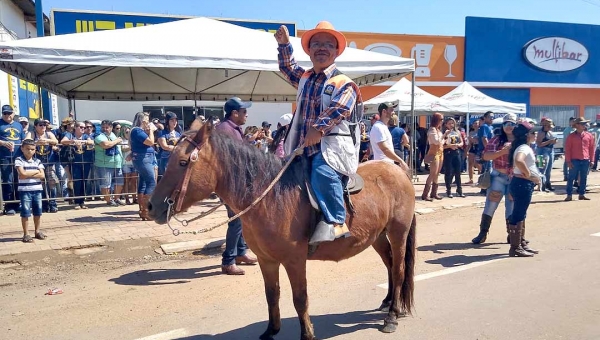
(329, 106)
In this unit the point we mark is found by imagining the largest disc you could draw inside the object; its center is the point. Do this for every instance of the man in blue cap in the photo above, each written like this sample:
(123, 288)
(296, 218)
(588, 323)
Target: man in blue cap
(11, 135)
(236, 250)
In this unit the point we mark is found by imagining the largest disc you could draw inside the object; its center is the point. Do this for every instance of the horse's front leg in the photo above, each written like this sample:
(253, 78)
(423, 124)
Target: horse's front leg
(270, 272)
(297, 274)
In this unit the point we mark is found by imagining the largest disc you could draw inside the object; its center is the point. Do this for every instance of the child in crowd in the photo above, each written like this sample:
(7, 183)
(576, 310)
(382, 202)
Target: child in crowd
(31, 174)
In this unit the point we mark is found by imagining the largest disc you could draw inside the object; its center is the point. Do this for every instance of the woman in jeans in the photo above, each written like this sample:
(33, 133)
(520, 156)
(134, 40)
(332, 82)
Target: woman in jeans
(472, 155)
(167, 140)
(452, 158)
(545, 147)
(497, 152)
(131, 176)
(435, 138)
(143, 157)
(526, 176)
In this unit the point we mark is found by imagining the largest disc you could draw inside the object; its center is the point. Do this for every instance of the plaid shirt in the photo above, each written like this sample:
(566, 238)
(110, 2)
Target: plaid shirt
(309, 105)
(500, 163)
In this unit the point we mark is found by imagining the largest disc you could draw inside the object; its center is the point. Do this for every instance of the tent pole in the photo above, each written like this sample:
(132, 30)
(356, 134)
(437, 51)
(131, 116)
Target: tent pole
(412, 129)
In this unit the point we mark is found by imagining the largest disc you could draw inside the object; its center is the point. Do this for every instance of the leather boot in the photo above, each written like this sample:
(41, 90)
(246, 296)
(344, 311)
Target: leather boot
(434, 194)
(232, 270)
(425, 195)
(507, 232)
(516, 250)
(143, 207)
(524, 242)
(484, 228)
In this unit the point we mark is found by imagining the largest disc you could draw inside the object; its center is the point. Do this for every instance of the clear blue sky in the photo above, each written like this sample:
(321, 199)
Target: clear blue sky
(431, 17)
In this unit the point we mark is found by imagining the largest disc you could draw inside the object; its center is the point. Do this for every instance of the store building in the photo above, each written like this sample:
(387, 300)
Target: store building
(552, 67)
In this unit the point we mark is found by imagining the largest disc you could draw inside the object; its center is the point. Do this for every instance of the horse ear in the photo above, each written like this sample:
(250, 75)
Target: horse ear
(196, 125)
(204, 130)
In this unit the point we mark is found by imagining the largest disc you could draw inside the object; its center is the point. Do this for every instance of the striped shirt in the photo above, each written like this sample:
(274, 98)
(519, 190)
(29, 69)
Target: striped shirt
(309, 105)
(29, 183)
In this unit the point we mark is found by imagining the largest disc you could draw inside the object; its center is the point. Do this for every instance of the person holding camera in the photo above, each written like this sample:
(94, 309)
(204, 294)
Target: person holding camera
(545, 147)
(143, 157)
(108, 163)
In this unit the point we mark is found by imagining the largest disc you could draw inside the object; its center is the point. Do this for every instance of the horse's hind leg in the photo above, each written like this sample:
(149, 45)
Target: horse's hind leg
(297, 274)
(270, 272)
(383, 248)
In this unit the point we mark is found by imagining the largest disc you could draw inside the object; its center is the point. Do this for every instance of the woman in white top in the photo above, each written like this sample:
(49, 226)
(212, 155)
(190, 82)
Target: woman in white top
(525, 177)
(434, 157)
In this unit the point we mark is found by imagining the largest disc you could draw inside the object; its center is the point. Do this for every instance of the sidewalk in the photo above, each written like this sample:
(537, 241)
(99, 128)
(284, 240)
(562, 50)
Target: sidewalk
(100, 224)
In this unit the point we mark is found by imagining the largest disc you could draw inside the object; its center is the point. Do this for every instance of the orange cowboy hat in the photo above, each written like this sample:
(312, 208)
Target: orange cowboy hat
(324, 27)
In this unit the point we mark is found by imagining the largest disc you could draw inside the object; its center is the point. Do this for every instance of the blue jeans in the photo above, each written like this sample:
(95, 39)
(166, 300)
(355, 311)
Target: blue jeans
(521, 191)
(162, 166)
(548, 155)
(80, 173)
(328, 186)
(596, 158)
(144, 165)
(7, 171)
(499, 187)
(580, 169)
(566, 170)
(50, 191)
(31, 203)
(234, 240)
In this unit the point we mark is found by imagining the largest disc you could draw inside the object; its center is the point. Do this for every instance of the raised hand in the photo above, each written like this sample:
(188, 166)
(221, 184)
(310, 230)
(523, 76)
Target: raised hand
(282, 35)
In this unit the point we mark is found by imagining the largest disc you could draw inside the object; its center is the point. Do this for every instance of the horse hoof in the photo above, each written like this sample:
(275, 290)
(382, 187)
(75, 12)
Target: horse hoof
(389, 327)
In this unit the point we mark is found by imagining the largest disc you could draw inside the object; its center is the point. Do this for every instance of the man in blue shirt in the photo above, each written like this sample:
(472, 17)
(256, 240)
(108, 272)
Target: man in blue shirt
(11, 135)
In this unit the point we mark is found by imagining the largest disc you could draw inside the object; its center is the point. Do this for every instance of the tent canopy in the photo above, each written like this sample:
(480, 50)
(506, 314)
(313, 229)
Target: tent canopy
(400, 94)
(468, 99)
(199, 58)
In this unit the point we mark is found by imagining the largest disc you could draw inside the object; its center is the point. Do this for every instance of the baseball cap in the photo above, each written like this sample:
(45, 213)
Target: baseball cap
(235, 103)
(170, 115)
(266, 124)
(375, 117)
(38, 121)
(23, 119)
(7, 108)
(385, 106)
(509, 117)
(285, 119)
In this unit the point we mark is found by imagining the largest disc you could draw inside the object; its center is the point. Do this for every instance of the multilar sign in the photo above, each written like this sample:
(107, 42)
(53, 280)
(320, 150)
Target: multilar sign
(555, 54)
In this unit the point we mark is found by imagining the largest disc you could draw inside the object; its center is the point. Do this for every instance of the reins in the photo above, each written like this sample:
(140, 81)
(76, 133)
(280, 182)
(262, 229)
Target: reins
(178, 194)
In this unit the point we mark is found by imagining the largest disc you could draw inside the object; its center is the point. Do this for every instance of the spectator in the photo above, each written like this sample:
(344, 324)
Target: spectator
(421, 138)
(365, 144)
(24, 123)
(167, 140)
(566, 132)
(129, 172)
(143, 157)
(472, 162)
(46, 145)
(62, 161)
(579, 156)
(435, 138)
(31, 173)
(399, 136)
(91, 187)
(11, 135)
(108, 161)
(277, 146)
(78, 143)
(266, 137)
(381, 138)
(545, 147)
(452, 161)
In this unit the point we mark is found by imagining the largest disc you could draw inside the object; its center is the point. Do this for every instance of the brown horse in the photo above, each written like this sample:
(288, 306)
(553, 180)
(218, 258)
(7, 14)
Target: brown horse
(277, 229)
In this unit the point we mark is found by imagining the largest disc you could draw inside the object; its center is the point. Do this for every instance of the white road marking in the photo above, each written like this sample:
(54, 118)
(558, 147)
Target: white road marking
(596, 234)
(447, 271)
(174, 334)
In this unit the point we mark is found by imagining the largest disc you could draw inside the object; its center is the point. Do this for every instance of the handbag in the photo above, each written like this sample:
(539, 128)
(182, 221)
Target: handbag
(485, 180)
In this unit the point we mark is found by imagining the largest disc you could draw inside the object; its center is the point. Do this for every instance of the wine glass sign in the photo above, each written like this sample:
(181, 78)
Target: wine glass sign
(450, 54)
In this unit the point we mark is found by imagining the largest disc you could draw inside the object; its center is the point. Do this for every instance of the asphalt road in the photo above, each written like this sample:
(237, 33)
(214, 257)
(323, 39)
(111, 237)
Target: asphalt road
(462, 291)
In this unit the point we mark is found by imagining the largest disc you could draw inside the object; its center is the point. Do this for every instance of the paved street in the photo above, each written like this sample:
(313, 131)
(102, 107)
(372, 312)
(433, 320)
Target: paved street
(462, 291)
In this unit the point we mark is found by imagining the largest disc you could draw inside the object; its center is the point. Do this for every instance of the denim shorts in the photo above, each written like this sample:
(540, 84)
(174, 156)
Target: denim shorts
(31, 203)
(128, 169)
(107, 176)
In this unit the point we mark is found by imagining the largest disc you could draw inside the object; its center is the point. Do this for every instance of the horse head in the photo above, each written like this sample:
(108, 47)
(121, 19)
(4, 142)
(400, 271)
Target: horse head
(191, 174)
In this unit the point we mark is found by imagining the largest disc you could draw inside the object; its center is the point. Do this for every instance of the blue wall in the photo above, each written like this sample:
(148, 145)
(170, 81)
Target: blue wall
(494, 47)
(509, 95)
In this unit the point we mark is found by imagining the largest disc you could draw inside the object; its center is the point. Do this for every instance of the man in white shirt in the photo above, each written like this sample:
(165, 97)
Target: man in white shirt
(381, 138)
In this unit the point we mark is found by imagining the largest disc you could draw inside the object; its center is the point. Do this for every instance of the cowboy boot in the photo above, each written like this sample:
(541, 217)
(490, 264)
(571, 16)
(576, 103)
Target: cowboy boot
(524, 242)
(434, 194)
(516, 250)
(484, 228)
(425, 195)
(143, 206)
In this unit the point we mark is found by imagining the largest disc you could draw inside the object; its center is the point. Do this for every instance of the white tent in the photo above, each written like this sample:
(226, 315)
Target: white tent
(468, 99)
(400, 94)
(200, 58)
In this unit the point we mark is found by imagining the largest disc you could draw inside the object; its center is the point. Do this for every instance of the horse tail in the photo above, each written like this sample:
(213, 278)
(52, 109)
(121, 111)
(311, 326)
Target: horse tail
(408, 286)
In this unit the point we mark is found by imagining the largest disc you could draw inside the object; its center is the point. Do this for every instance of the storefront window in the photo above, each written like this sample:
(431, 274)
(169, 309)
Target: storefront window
(559, 114)
(591, 112)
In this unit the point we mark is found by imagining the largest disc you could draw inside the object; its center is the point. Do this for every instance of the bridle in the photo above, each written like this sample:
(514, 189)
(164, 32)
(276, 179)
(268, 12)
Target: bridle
(176, 198)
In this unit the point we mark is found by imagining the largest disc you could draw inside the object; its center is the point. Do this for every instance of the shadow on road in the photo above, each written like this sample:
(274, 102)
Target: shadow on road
(439, 248)
(10, 239)
(326, 327)
(461, 260)
(552, 201)
(121, 213)
(96, 219)
(155, 277)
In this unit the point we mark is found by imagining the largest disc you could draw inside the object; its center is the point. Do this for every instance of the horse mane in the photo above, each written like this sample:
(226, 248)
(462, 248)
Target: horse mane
(249, 171)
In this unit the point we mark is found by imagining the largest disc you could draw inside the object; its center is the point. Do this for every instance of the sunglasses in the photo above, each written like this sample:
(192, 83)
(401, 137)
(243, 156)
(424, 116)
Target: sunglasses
(89, 127)
(509, 124)
(6, 113)
(42, 125)
(81, 127)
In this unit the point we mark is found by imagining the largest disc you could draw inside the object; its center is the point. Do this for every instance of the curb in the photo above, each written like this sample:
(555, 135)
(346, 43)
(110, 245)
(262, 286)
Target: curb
(178, 247)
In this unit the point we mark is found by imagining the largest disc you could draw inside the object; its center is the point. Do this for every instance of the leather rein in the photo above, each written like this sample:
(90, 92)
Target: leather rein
(176, 198)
